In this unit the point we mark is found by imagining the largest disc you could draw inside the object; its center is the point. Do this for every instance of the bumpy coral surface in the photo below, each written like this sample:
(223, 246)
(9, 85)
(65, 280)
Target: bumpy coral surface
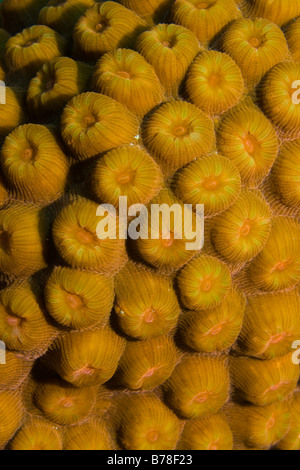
(117, 330)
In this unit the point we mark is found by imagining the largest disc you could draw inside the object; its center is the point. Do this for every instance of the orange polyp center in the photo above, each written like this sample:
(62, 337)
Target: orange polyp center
(277, 338)
(167, 242)
(84, 236)
(152, 436)
(210, 183)
(214, 80)
(99, 27)
(149, 315)
(166, 43)
(201, 397)
(27, 154)
(89, 121)
(74, 301)
(206, 285)
(255, 42)
(84, 371)
(123, 74)
(125, 177)
(251, 144)
(150, 372)
(270, 424)
(180, 131)
(67, 402)
(202, 5)
(13, 320)
(281, 266)
(215, 330)
(213, 446)
(245, 229)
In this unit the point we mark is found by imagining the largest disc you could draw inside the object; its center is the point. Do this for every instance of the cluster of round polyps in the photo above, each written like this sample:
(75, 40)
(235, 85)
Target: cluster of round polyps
(151, 343)
(206, 19)
(256, 46)
(105, 27)
(170, 49)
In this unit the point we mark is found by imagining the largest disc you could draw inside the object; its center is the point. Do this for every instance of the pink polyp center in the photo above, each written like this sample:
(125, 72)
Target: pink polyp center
(168, 242)
(251, 144)
(277, 338)
(27, 154)
(123, 74)
(270, 424)
(84, 236)
(12, 320)
(67, 402)
(215, 330)
(206, 285)
(89, 371)
(125, 176)
(201, 397)
(74, 301)
(149, 315)
(281, 266)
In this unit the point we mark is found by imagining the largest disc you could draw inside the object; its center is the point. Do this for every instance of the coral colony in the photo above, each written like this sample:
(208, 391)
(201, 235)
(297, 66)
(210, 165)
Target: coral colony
(149, 225)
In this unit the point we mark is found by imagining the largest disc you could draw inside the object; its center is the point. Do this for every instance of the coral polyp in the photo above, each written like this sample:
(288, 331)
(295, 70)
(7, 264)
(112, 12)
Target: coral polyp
(214, 329)
(278, 12)
(256, 46)
(278, 266)
(55, 84)
(198, 387)
(12, 111)
(214, 82)
(170, 49)
(258, 427)
(248, 139)
(147, 364)
(292, 35)
(168, 246)
(126, 171)
(267, 330)
(146, 303)
(37, 434)
(159, 428)
(62, 403)
(79, 299)
(17, 15)
(93, 123)
(286, 174)
(212, 180)
(105, 27)
(23, 324)
(86, 358)
(91, 435)
(11, 412)
(75, 237)
(34, 164)
(211, 433)
(26, 52)
(178, 132)
(203, 283)
(240, 233)
(125, 75)
(62, 16)
(263, 382)
(18, 224)
(206, 19)
(291, 441)
(279, 94)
